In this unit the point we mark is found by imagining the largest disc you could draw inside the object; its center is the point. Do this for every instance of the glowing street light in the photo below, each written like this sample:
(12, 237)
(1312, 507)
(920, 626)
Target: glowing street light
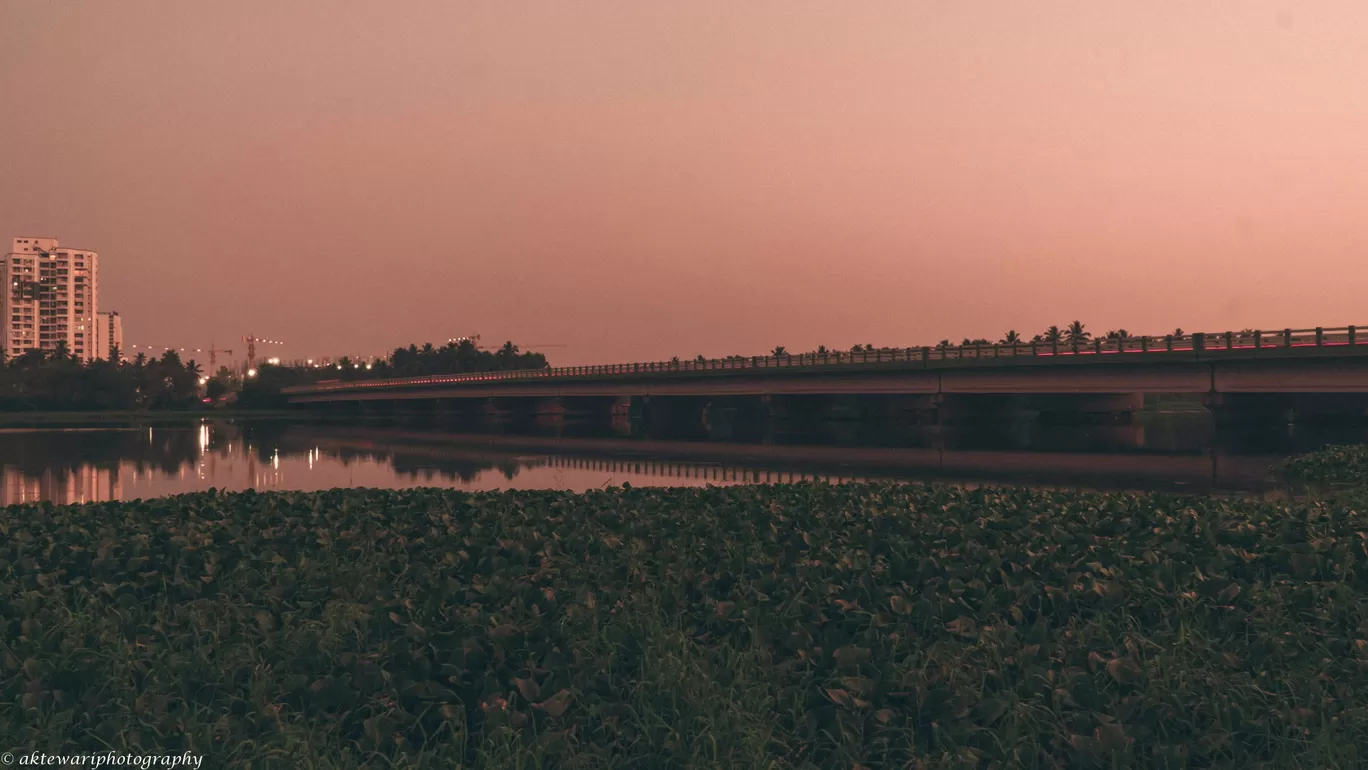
(251, 372)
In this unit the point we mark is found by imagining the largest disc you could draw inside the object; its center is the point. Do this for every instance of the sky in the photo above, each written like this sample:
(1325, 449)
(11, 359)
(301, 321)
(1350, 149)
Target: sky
(629, 181)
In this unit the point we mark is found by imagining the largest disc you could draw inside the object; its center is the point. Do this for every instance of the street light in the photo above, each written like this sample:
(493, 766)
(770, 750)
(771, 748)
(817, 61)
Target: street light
(251, 372)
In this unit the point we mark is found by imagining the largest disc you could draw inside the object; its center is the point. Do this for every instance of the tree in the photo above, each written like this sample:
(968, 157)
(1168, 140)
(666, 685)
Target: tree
(1118, 334)
(1076, 334)
(779, 350)
(215, 389)
(944, 345)
(507, 356)
(1053, 335)
(1178, 333)
(1011, 337)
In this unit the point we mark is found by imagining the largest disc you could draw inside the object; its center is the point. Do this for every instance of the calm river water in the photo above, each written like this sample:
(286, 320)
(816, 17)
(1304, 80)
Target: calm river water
(80, 464)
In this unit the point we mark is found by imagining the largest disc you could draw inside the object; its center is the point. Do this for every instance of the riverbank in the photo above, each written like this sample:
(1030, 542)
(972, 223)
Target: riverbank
(797, 625)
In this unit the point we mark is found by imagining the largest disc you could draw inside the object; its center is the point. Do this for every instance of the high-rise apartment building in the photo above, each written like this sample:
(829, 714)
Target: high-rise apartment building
(108, 335)
(50, 298)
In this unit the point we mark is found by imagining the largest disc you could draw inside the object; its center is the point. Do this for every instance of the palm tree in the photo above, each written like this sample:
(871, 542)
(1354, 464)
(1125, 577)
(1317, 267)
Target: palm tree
(700, 359)
(1053, 335)
(821, 350)
(1178, 333)
(1118, 334)
(943, 345)
(1076, 334)
(779, 350)
(1011, 337)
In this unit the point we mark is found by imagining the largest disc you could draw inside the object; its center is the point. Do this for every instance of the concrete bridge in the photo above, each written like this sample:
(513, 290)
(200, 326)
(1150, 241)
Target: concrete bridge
(1255, 376)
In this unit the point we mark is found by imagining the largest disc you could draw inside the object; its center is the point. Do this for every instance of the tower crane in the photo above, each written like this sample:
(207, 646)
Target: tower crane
(252, 342)
(213, 351)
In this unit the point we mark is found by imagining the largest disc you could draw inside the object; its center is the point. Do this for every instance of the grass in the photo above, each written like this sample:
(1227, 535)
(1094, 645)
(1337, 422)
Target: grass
(799, 626)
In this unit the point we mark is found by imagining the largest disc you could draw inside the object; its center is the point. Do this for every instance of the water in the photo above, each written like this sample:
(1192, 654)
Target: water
(142, 460)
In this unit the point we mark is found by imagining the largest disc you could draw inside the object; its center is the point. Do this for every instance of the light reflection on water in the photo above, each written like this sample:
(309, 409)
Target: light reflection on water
(85, 465)
(79, 465)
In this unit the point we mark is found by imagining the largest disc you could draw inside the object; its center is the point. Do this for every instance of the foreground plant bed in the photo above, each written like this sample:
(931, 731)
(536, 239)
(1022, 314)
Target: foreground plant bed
(1332, 466)
(757, 626)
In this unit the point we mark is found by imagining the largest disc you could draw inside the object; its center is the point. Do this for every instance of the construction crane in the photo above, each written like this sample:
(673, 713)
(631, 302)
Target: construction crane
(252, 342)
(212, 350)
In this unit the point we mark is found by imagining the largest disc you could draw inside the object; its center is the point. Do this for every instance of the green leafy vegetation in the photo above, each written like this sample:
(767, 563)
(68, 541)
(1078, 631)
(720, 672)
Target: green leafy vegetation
(1330, 466)
(758, 626)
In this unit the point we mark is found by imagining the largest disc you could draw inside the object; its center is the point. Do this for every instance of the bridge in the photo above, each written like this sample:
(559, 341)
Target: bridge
(1242, 376)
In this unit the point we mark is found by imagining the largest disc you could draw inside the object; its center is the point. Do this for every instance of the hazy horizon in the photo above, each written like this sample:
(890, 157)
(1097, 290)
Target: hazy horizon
(639, 181)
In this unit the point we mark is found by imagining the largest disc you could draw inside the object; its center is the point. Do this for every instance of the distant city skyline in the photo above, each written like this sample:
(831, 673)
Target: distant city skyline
(636, 182)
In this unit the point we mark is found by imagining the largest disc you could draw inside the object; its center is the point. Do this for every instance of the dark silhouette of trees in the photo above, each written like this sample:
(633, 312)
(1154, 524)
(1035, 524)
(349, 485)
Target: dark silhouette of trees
(1011, 337)
(56, 381)
(1076, 334)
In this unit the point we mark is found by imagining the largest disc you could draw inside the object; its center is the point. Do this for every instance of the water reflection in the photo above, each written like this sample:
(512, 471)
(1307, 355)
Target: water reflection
(81, 465)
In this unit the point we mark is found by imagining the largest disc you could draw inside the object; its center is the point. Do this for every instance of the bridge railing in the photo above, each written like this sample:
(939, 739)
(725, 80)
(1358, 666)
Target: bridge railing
(1248, 340)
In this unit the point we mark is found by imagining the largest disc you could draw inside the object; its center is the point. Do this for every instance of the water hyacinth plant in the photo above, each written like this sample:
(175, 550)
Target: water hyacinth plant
(1330, 466)
(809, 625)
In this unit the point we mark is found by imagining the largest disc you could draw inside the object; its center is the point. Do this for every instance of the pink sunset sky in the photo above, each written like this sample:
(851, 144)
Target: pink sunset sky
(637, 180)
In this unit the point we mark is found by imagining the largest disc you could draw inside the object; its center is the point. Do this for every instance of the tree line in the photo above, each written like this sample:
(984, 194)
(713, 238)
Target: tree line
(452, 358)
(1075, 333)
(40, 381)
(265, 391)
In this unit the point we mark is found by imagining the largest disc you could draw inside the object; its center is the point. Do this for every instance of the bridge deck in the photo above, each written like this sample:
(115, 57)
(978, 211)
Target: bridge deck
(1300, 361)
